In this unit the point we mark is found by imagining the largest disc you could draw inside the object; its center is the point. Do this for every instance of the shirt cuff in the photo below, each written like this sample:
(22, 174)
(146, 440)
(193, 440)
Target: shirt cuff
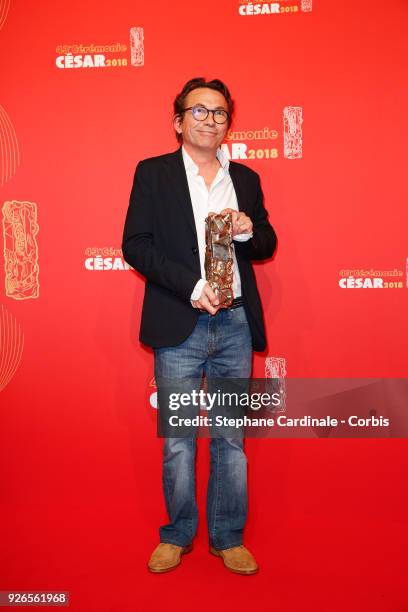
(243, 237)
(198, 289)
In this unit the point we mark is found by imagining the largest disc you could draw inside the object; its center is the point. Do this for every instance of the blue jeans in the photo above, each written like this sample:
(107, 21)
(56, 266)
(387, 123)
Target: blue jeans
(219, 346)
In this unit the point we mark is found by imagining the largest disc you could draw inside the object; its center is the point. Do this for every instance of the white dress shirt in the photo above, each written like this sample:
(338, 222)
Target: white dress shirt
(220, 195)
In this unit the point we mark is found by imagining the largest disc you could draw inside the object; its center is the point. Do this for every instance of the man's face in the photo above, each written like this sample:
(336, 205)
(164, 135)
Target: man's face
(207, 134)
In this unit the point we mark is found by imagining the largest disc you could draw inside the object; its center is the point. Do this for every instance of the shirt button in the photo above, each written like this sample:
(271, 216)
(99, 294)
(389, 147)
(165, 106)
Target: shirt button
(195, 250)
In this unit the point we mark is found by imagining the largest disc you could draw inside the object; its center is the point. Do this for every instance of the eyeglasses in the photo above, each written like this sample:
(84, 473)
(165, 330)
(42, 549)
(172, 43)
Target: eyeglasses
(201, 113)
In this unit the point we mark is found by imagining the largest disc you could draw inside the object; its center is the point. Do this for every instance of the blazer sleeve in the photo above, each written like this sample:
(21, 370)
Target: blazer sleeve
(138, 244)
(262, 245)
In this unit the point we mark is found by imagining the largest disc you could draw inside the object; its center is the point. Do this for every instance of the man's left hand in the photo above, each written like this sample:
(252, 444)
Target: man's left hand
(241, 223)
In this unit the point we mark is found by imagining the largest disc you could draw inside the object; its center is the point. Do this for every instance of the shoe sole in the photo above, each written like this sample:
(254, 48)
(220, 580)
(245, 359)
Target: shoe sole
(185, 551)
(217, 553)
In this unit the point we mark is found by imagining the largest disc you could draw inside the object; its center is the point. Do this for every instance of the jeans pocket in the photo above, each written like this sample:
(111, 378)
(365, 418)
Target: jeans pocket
(239, 316)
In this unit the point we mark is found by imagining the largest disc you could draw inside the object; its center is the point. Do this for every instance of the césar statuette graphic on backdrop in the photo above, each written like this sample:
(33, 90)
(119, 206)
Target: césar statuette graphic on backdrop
(20, 228)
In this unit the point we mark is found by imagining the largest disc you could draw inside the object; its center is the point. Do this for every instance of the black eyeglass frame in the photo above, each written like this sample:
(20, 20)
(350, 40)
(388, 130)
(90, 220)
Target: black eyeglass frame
(209, 110)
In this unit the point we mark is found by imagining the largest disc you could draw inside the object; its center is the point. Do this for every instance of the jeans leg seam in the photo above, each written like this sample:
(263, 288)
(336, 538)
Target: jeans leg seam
(217, 491)
(193, 489)
(166, 484)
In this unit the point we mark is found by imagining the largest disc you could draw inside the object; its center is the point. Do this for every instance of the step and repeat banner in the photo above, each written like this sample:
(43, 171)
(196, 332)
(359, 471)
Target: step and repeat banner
(86, 92)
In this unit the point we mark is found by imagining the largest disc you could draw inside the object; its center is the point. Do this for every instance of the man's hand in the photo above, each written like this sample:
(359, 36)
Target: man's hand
(208, 300)
(241, 223)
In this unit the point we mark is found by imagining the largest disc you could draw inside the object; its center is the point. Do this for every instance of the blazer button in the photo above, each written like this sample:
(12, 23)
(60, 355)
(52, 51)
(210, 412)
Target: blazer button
(195, 250)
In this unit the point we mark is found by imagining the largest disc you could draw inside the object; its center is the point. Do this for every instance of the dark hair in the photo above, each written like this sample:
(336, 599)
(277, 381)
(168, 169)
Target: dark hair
(196, 83)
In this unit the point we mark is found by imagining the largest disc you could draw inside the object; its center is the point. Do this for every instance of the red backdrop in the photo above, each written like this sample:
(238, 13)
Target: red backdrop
(80, 461)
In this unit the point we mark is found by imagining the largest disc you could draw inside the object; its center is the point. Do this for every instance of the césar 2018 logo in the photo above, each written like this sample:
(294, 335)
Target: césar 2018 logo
(95, 56)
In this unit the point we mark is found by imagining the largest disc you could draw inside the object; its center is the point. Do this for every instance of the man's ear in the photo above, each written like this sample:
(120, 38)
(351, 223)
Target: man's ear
(177, 119)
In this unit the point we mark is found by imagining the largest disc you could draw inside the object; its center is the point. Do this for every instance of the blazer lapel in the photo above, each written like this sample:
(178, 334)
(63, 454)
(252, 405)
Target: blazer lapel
(238, 186)
(178, 176)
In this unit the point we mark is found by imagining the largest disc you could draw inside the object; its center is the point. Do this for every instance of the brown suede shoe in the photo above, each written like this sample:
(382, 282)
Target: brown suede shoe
(237, 559)
(166, 557)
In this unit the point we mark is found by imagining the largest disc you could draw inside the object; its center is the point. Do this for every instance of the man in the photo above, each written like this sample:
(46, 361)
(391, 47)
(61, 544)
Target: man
(182, 320)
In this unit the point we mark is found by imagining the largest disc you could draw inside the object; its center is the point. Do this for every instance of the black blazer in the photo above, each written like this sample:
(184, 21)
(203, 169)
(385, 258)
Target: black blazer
(160, 241)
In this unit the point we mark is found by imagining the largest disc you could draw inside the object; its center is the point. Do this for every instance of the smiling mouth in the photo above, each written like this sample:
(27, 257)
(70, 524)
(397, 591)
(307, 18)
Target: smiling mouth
(211, 133)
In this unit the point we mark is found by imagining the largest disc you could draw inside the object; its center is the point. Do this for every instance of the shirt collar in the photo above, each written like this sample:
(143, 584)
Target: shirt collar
(192, 166)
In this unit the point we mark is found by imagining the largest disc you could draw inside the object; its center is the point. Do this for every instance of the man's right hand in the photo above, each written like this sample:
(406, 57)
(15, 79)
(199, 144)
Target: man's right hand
(208, 300)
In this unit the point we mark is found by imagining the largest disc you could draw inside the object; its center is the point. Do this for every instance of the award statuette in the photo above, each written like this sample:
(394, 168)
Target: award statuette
(218, 256)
